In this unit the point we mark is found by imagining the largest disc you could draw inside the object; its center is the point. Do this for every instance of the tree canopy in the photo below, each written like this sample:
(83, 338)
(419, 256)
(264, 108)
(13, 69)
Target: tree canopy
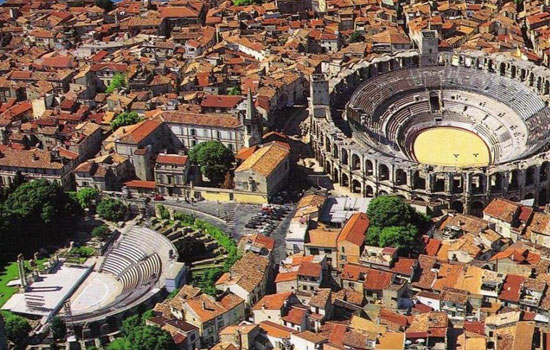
(59, 328)
(235, 90)
(101, 232)
(111, 209)
(213, 158)
(86, 196)
(393, 223)
(107, 5)
(36, 214)
(138, 336)
(17, 329)
(125, 118)
(119, 80)
(356, 37)
(245, 2)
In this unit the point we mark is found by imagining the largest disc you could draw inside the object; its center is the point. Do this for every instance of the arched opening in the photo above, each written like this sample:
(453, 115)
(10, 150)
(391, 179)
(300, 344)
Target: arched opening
(543, 197)
(382, 193)
(546, 87)
(335, 153)
(400, 177)
(502, 69)
(369, 191)
(327, 145)
(513, 72)
(478, 183)
(113, 323)
(539, 83)
(496, 182)
(458, 184)
(513, 183)
(384, 172)
(544, 172)
(355, 162)
(328, 167)
(345, 180)
(439, 184)
(355, 186)
(476, 209)
(419, 183)
(531, 79)
(344, 157)
(457, 206)
(523, 74)
(530, 175)
(335, 177)
(369, 168)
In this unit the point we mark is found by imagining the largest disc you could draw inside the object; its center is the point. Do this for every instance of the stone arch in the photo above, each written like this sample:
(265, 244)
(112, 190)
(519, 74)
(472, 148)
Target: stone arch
(382, 193)
(502, 69)
(530, 175)
(383, 172)
(531, 79)
(439, 183)
(476, 208)
(336, 152)
(539, 83)
(328, 167)
(355, 186)
(523, 74)
(544, 172)
(345, 157)
(369, 167)
(513, 72)
(328, 147)
(345, 180)
(355, 162)
(546, 90)
(513, 180)
(543, 197)
(369, 191)
(418, 182)
(478, 183)
(457, 206)
(335, 176)
(400, 177)
(496, 182)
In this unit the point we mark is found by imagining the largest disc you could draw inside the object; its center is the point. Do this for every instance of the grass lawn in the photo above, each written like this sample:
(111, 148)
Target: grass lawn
(8, 272)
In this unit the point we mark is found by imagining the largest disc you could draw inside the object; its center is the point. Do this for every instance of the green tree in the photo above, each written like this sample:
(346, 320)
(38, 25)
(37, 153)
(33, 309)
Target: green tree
(356, 37)
(119, 80)
(107, 5)
(36, 214)
(125, 118)
(101, 232)
(393, 223)
(111, 209)
(389, 211)
(235, 90)
(17, 329)
(401, 237)
(59, 328)
(137, 336)
(245, 2)
(86, 196)
(214, 159)
(129, 324)
(190, 249)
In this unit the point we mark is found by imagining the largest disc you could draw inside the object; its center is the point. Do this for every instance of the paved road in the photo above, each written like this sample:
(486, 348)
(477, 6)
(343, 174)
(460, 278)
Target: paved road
(231, 218)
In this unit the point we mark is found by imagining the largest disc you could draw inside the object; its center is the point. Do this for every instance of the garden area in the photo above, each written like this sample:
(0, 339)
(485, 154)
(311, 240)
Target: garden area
(209, 250)
(8, 272)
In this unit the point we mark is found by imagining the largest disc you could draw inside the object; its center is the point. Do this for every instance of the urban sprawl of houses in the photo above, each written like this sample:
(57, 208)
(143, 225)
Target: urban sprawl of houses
(196, 71)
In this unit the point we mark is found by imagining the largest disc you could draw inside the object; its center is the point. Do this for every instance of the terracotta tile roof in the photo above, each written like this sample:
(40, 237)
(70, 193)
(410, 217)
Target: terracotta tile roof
(322, 237)
(447, 276)
(309, 269)
(377, 280)
(286, 276)
(354, 230)
(311, 337)
(140, 184)
(272, 301)
(502, 209)
(320, 298)
(248, 272)
(265, 160)
(142, 130)
(475, 327)
(174, 159)
(29, 159)
(207, 308)
(295, 315)
(178, 12)
(404, 266)
(226, 121)
(276, 330)
(246, 152)
(221, 101)
(432, 247)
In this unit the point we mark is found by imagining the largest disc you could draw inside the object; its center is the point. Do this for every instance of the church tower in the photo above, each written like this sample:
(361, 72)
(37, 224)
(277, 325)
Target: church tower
(252, 123)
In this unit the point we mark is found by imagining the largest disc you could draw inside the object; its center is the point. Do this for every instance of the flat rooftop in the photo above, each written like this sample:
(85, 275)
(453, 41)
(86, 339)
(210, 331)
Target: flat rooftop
(339, 209)
(47, 294)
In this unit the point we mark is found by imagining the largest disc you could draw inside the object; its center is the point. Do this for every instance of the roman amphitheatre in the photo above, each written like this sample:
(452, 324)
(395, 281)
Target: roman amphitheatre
(457, 128)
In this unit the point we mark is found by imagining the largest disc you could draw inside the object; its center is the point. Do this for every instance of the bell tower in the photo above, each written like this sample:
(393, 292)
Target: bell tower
(252, 123)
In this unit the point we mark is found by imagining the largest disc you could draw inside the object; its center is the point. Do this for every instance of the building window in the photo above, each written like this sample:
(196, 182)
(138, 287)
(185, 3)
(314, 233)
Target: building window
(193, 132)
(343, 250)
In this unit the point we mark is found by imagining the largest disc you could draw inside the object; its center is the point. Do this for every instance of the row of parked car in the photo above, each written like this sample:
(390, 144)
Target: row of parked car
(267, 219)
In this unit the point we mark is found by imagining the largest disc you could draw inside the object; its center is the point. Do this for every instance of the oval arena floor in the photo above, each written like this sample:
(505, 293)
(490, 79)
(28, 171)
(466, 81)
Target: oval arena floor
(450, 147)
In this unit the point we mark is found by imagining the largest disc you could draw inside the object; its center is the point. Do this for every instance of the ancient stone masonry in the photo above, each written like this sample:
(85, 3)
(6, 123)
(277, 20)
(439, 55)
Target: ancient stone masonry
(391, 99)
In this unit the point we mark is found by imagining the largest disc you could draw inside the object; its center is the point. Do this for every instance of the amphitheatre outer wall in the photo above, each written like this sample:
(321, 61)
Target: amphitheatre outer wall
(371, 172)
